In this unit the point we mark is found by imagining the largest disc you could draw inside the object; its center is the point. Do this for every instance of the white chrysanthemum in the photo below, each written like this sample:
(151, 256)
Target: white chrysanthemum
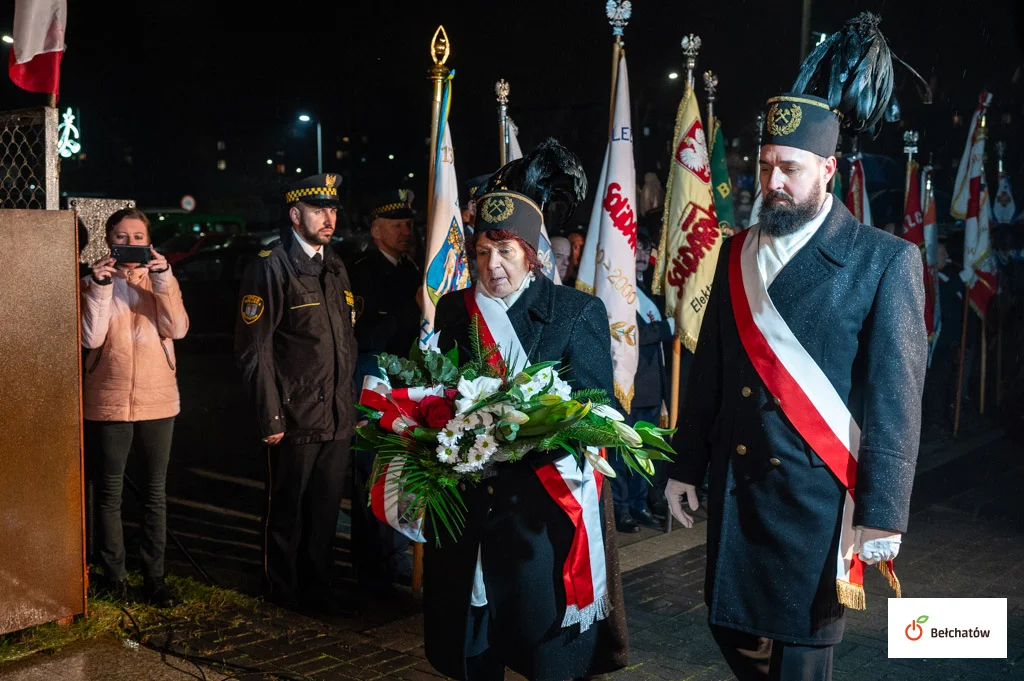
(447, 453)
(450, 434)
(479, 454)
(485, 443)
(562, 389)
(480, 418)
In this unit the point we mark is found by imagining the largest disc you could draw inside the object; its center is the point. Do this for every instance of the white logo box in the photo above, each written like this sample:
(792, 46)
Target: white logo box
(947, 627)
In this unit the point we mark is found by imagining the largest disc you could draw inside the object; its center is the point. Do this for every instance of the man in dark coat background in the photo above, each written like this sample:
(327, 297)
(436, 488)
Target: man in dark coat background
(384, 281)
(853, 298)
(296, 350)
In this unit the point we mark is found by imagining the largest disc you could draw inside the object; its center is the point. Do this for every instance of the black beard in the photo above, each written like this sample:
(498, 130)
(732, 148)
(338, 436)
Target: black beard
(780, 219)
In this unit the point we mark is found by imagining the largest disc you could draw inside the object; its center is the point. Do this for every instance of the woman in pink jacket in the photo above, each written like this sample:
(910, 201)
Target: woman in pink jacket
(131, 313)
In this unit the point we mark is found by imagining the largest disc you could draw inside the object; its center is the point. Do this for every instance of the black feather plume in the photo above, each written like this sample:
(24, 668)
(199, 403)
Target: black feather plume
(852, 70)
(550, 175)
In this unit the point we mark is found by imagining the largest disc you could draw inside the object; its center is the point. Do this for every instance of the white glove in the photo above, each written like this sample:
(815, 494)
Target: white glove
(674, 491)
(876, 546)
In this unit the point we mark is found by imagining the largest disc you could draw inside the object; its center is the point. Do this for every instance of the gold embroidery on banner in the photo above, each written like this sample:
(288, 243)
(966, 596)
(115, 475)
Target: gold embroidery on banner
(784, 121)
(497, 209)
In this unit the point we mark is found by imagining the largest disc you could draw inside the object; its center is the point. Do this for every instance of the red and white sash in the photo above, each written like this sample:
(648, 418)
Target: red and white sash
(807, 397)
(576, 490)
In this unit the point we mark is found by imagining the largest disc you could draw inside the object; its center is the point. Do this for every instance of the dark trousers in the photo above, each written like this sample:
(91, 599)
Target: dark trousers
(379, 551)
(305, 485)
(109, 443)
(753, 658)
(629, 488)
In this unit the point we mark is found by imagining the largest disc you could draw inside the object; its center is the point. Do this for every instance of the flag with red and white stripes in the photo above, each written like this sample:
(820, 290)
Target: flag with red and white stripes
(34, 64)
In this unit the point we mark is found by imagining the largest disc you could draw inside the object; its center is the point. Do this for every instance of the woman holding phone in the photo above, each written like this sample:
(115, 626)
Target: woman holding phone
(131, 313)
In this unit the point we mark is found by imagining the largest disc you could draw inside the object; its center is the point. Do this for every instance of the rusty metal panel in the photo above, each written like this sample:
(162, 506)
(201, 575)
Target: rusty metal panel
(42, 547)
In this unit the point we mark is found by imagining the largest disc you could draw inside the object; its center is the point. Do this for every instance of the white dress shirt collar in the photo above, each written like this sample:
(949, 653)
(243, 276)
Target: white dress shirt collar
(775, 252)
(306, 247)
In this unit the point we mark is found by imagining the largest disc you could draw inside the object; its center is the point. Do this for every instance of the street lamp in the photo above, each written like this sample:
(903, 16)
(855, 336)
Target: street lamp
(8, 39)
(673, 75)
(319, 146)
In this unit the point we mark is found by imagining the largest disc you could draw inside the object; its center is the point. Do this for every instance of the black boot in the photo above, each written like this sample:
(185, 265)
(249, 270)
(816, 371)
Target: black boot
(158, 593)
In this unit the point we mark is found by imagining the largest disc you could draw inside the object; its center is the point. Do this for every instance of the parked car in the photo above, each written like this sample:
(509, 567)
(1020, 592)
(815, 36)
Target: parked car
(178, 235)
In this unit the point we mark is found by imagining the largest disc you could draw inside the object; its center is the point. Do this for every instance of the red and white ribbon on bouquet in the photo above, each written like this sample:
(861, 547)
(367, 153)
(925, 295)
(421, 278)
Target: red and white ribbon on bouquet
(397, 407)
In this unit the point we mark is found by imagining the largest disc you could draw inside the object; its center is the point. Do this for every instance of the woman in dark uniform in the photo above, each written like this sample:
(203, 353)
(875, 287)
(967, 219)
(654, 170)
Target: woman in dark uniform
(498, 596)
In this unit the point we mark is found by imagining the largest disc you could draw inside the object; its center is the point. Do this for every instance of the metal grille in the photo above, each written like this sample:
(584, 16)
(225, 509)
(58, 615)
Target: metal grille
(28, 159)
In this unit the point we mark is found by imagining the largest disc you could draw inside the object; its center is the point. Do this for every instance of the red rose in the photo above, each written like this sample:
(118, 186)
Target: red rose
(436, 412)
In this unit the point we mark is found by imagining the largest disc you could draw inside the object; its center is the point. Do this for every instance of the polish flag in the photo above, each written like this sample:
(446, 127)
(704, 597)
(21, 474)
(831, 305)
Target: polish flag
(38, 44)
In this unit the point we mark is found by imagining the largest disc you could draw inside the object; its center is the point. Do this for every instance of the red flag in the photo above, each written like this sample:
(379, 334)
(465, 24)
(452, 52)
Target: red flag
(913, 231)
(857, 197)
(34, 64)
(971, 202)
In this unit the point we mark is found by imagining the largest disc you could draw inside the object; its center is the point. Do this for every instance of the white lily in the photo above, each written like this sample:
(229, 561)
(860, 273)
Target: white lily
(627, 433)
(471, 392)
(604, 411)
(599, 462)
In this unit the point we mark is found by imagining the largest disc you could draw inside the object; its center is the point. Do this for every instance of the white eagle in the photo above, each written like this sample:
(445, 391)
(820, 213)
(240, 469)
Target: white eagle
(693, 153)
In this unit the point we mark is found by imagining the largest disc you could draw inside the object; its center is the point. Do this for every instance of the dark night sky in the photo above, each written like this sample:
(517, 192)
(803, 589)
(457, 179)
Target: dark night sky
(154, 76)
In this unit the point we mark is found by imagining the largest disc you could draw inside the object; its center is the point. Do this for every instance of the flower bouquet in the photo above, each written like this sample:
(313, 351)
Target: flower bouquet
(436, 425)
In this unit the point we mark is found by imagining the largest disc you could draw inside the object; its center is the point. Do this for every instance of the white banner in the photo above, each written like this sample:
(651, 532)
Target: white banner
(447, 268)
(608, 266)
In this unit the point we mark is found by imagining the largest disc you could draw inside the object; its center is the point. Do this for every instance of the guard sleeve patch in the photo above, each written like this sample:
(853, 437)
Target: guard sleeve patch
(252, 308)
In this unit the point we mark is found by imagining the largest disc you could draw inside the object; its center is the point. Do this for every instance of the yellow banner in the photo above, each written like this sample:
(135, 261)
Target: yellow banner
(690, 237)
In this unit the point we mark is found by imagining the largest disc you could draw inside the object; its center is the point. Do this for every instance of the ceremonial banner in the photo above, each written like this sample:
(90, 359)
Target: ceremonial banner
(1004, 208)
(690, 238)
(720, 180)
(970, 202)
(857, 197)
(608, 265)
(34, 64)
(447, 268)
(913, 231)
(547, 258)
(931, 249)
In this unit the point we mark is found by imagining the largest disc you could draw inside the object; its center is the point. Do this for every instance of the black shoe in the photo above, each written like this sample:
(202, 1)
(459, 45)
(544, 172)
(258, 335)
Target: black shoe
(659, 511)
(118, 591)
(158, 593)
(646, 519)
(625, 523)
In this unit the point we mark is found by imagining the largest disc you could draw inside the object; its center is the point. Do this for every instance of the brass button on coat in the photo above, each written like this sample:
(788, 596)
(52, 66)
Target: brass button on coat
(462, 487)
(775, 462)
(741, 450)
(490, 490)
(745, 391)
(777, 401)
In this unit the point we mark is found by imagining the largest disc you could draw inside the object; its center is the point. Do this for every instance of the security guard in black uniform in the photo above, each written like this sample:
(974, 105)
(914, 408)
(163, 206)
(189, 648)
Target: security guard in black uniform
(385, 282)
(295, 347)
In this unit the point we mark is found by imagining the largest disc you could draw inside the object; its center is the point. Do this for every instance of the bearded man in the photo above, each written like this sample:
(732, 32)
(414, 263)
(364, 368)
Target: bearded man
(804, 405)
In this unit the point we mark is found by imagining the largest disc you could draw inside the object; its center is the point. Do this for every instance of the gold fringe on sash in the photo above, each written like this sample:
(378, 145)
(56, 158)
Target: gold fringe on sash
(890, 576)
(851, 595)
(625, 398)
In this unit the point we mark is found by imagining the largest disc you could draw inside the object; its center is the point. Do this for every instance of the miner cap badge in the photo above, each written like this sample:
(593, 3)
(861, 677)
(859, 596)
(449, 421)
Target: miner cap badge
(316, 190)
(509, 211)
(802, 122)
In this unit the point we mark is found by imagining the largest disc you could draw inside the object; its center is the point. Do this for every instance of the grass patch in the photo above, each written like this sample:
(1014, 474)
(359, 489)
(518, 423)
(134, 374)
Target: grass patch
(197, 602)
